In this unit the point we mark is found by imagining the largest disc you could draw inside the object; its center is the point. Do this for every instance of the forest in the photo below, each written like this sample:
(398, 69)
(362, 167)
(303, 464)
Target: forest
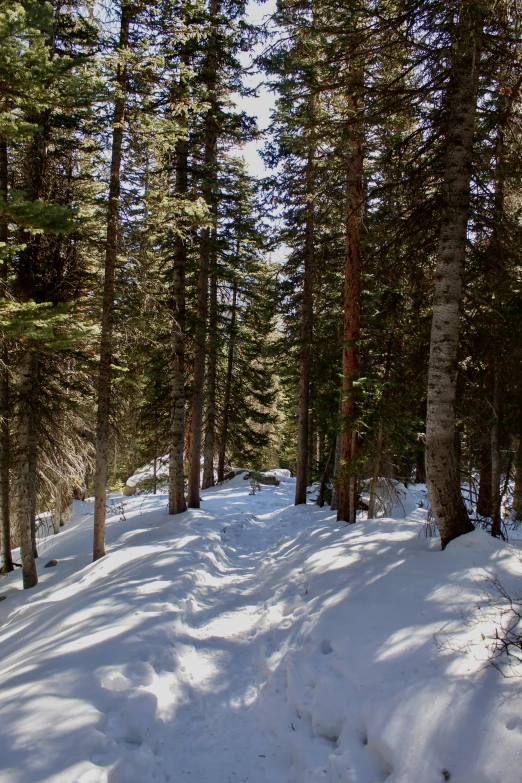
(260, 391)
(354, 315)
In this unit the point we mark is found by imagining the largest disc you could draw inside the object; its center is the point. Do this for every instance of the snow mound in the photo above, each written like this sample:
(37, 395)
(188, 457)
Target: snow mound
(146, 473)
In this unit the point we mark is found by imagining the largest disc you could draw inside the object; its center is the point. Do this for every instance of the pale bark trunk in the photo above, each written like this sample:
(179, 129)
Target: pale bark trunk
(211, 132)
(303, 425)
(107, 321)
(228, 386)
(352, 316)
(5, 521)
(208, 462)
(177, 502)
(22, 470)
(441, 460)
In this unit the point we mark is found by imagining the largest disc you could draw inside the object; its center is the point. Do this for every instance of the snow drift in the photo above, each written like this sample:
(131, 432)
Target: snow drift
(255, 641)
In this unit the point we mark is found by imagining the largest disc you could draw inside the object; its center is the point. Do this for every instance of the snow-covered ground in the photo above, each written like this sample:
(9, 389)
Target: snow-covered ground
(255, 641)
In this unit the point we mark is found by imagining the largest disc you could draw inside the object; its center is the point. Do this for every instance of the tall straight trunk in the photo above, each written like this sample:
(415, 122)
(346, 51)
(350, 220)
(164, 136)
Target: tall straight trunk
(177, 502)
(155, 471)
(209, 78)
(22, 468)
(223, 435)
(107, 321)
(496, 516)
(485, 485)
(303, 425)
(115, 458)
(6, 564)
(337, 466)
(442, 466)
(33, 461)
(377, 463)
(517, 492)
(325, 477)
(194, 478)
(352, 315)
(376, 472)
(208, 450)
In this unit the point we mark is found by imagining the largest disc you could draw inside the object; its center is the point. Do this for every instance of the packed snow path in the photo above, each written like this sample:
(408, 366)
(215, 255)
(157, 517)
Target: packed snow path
(254, 641)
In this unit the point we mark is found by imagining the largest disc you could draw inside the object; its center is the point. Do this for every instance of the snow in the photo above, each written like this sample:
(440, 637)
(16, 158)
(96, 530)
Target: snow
(252, 640)
(147, 472)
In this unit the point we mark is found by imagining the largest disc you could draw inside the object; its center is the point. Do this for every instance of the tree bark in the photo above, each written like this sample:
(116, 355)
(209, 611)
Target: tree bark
(352, 313)
(22, 469)
(177, 502)
(517, 492)
(33, 457)
(107, 321)
(303, 425)
(496, 495)
(5, 521)
(376, 472)
(209, 78)
(442, 466)
(335, 483)
(223, 436)
(484, 493)
(208, 450)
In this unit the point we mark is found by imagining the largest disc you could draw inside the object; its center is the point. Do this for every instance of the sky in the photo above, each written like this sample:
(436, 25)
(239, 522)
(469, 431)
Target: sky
(262, 105)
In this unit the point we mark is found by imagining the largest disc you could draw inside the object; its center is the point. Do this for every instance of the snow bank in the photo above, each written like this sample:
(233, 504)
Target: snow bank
(254, 640)
(147, 472)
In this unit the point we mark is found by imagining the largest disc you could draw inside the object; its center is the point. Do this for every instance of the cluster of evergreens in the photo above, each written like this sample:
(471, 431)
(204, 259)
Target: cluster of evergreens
(134, 270)
(141, 313)
(397, 137)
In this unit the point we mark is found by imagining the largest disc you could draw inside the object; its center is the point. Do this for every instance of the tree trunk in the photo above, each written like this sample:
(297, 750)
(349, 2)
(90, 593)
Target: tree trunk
(155, 464)
(208, 463)
(376, 472)
(107, 321)
(484, 508)
(5, 521)
(22, 470)
(35, 384)
(115, 458)
(420, 467)
(335, 483)
(306, 338)
(194, 479)
(517, 492)
(209, 78)
(496, 493)
(442, 466)
(325, 477)
(352, 313)
(228, 386)
(177, 502)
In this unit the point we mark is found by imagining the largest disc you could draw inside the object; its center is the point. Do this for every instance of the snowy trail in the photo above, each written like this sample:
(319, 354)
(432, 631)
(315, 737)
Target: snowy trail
(255, 641)
(172, 685)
